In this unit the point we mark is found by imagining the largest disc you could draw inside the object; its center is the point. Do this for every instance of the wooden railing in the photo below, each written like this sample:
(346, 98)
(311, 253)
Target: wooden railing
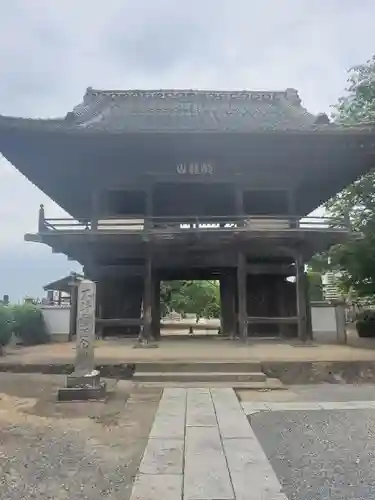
(193, 224)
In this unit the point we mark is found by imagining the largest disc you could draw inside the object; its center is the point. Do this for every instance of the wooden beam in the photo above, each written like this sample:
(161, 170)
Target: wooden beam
(272, 320)
(119, 321)
(120, 270)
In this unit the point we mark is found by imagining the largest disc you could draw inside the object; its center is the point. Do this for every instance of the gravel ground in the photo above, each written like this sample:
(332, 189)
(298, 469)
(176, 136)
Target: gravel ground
(320, 454)
(51, 450)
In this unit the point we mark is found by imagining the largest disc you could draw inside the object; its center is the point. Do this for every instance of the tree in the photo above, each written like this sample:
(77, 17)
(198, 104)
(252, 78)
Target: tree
(355, 260)
(315, 285)
(196, 297)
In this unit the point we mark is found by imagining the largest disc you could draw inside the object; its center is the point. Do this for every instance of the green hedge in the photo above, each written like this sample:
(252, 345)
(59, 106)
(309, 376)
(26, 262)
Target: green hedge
(6, 325)
(365, 323)
(28, 324)
(25, 321)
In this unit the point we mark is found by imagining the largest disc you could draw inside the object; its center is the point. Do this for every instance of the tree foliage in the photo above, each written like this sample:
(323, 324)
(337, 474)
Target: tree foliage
(315, 285)
(358, 105)
(196, 297)
(355, 260)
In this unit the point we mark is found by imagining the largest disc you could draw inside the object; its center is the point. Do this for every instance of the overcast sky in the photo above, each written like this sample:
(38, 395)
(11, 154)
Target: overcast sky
(51, 50)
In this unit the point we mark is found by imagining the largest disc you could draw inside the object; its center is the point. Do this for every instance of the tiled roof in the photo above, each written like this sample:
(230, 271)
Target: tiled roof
(121, 111)
(192, 110)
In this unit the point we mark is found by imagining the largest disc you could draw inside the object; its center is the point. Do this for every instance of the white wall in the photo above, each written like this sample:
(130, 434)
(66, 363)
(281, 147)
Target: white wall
(57, 320)
(324, 319)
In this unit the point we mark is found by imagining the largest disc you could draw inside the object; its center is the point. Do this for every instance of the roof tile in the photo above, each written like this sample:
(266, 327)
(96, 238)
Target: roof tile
(183, 110)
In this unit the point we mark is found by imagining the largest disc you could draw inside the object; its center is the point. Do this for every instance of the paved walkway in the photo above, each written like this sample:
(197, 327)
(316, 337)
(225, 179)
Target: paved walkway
(202, 447)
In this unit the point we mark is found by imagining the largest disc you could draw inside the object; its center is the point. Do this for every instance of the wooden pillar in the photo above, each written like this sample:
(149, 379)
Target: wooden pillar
(147, 300)
(292, 209)
(73, 311)
(239, 202)
(228, 303)
(95, 209)
(223, 305)
(156, 308)
(282, 309)
(99, 329)
(301, 297)
(148, 207)
(242, 301)
(309, 332)
(291, 201)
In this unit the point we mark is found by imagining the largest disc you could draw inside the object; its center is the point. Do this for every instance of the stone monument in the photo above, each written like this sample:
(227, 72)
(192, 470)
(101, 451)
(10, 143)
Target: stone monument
(84, 383)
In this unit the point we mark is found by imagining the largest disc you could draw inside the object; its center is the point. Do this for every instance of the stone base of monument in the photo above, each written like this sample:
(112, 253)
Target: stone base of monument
(83, 387)
(145, 343)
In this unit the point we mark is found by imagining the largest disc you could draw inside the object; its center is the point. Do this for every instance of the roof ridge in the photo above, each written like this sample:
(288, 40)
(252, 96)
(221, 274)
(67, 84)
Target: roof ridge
(165, 93)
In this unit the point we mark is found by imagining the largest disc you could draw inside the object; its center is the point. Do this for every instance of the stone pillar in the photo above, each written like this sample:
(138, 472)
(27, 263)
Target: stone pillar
(301, 297)
(228, 303)
(84, 383)
(242, 302)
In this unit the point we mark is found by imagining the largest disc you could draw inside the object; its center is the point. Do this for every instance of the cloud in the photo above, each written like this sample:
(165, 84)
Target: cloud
(51, 51)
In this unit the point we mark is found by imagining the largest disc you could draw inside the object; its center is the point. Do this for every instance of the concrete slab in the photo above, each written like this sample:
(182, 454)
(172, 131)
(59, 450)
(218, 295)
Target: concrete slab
(231, 418)
(225, 397)
(233, 377)
(163, 456)
(206, 475)
(269, 384)
(347, 405)
(251, 407)
(200, 409)
(169, 420)
(251, 473)
(152, 487)
(255, 407)
(294, 405)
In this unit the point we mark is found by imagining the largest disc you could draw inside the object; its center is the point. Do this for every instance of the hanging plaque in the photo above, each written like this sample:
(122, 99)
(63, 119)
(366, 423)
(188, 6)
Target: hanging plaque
(195, 168)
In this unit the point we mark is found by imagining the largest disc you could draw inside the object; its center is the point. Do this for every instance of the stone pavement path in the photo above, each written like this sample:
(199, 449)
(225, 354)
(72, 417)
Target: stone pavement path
(202, 447)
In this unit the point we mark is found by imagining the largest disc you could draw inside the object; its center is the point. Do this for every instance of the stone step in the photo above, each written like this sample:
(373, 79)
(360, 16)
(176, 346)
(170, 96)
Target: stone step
(198, 367)
(270, 384)
(198, 377)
